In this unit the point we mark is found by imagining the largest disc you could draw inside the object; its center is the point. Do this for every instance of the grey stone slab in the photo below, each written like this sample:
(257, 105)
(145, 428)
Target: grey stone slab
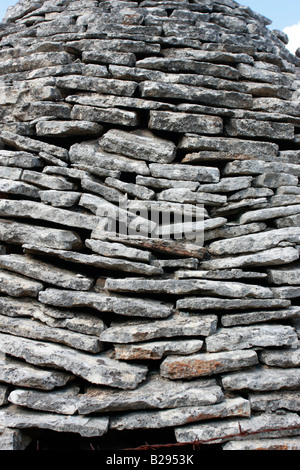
(45, 272)
(39, 211)
(278, 358)
(10, 173)
(232, 230)
(180, 416)
(17, 373)
(185, 172)
(211, 303)
(155, 393)
(223, 274)
(216, 432)
(60, 198)
(274, 256)
(260, 316)
(18, 188)
(4, 392)
(258, 167)
(156, 349)
(31, 145)
(13, 439)
(135, 190)
(143, 146)
(282, 443)
(184, 286)
(262, 379)
(20, 159)
(227, 185)
(28, 328)
(67, 128)
(115, 264)
(183, 122)
(251, 193)
(206, 364)
(18, 286)
(172, 327)
(105, 115)
(254, 243)
(98, 369)
(100, 85)
(118, 250)
(255, 128)
(19, 233)
(273, 401)
(20, 418)
(64, 401)
(120, 305)
(189, 263)
(286, 275)
(93, 185)
(47, 181)
(290, 221)
(286, 199)
(190, 197)
(245, 337)
(109, 57)
(164, 183)
(287, 292)
(274, 180)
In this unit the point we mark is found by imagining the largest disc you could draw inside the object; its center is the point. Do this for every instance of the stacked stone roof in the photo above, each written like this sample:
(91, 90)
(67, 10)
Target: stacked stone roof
(163, 105)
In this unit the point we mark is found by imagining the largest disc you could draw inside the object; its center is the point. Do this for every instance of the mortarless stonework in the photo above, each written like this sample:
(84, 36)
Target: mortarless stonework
(162, 105)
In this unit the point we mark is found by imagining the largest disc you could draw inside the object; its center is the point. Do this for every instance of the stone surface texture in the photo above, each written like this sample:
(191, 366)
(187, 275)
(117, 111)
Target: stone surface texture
(149, 225)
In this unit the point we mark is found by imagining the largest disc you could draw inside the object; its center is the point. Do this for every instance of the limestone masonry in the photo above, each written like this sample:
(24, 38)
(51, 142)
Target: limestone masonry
(114, 110)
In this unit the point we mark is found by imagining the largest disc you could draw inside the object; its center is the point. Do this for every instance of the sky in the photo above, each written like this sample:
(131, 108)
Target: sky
(285, 15)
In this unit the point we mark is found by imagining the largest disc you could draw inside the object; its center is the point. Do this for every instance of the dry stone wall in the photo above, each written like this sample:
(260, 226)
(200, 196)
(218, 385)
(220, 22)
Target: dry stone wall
(160, 105)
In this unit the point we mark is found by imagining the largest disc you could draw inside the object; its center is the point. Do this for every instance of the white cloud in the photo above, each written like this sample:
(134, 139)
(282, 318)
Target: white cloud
(293, 33)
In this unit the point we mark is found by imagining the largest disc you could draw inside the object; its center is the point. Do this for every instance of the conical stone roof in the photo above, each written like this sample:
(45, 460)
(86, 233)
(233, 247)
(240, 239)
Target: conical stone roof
(112, 111)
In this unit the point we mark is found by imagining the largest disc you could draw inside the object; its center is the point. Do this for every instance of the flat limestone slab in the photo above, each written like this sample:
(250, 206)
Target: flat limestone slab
(209, 303)
(105, 303)
(17, 417)
(249, 318)
(244, 337)
(172, 327)
(18, 286)
(156, 349)
(288, 275)
(155, 393)
(21, 374)
(13, 439)
(262, 379)
(278, 358)
(97, 369)
(216, 432)
(287, 443)
(180, 416)
(45, 272)
(272, 401)
(205, 364)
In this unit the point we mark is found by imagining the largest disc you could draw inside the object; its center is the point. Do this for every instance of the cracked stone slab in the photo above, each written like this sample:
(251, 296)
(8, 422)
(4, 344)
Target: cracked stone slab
(262, 379)
(283, 443)
(206, 364)
(64, 401)
(260, 316)
(60, 198)
(116, 264)
(67, 128)
(141, 146)
(254, 243)
(278, 358)
(18, 286)
(19, 233)
(155, 393)
(120, 305)
(20, 374)
(216, 432)
(97, 369)
(135, 190)
(47, 181)
(210, 303)
(104, 115)
(272, 401)
(272, 257)
(20, 418)
(180, 416)
(185, 172)
(31, 145)
(118, 250)
(245, 337)
(177, 325)
(156, 349)
(19, 159)
(189, 286)
(45, 272)
(28, 328)
(183, 122)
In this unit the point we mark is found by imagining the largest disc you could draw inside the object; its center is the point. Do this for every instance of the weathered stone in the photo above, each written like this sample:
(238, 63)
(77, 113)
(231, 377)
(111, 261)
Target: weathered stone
(18, 286)
(155, 393)
(29, 328)
(93, 185)
(258, 167)
(109, 57)
(17, 417)
(245, 337)
(97, 369)
(51, 182)
(118, 250)
(180, 416)
(25, 143)
(13, 439)
(104, 303)
(67, 128)
(231, 230)
(272, 401)
(182, 122)
(45, 272)
(18, 188)
(262, 379)
(20, 159)
(138, 145)
(24, 375)
(190, 197)
(185, 172)
(274, 180)
(227, 185)
(64, 401)
(172, 327)
(250, 318)
(251, 193)
(205, 364)
(253, 128)
(18, 233)
(100, 85)
(287, 275)
(286, 358)
(290, 221)
(288, 292)
(135, 190)
(181, 286)
(287, 443)
(270, 257)
(210, 303)
(60, 198)
(224, 274)
(107, 115)
(254, 243)
(164, 183)
(156, 349)
(4, 392)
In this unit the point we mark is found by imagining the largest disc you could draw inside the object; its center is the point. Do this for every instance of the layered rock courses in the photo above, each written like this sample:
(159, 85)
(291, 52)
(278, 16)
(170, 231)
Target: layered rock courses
(110, 322)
